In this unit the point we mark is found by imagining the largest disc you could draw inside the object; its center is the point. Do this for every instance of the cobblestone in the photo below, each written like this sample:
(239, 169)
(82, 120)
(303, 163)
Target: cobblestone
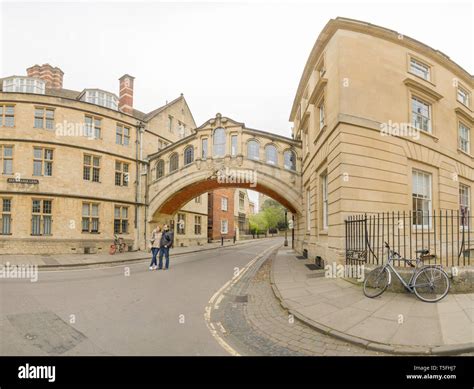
(272, 333)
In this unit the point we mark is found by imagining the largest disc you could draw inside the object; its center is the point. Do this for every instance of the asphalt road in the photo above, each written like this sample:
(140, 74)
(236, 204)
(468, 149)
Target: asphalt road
(122, 310)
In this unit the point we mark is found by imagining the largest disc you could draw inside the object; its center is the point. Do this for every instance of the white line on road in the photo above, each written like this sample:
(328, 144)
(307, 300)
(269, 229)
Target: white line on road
(219, 295)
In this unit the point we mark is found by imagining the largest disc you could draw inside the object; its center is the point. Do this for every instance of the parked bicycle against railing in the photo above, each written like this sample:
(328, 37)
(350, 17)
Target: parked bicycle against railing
(430, 283)
(119, 245)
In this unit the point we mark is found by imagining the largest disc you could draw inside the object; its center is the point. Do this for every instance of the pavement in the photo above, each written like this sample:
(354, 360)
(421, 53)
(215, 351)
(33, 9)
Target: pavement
(395, 323)
(75, 260)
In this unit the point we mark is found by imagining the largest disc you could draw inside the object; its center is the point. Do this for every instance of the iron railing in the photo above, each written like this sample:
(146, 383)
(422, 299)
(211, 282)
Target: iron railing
(446, 233)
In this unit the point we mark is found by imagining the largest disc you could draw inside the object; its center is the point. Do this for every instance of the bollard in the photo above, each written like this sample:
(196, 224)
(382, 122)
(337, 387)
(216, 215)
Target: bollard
(222, 240)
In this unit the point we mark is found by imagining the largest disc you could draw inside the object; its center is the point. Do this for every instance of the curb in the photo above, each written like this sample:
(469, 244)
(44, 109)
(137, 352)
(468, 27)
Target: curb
(369, 344)
(132, 260)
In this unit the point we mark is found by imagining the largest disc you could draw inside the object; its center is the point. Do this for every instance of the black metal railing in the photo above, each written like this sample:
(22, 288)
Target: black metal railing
(446, 233)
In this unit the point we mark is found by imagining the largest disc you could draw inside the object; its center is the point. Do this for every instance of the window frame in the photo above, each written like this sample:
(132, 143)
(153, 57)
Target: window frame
(4, 115)
(173, 162)
(90, 218)
(6, 215)
(219, 149)
(250, 156)
(121, 219)
(42, 216)
(428, 200)
(123, 173)
(43, 117)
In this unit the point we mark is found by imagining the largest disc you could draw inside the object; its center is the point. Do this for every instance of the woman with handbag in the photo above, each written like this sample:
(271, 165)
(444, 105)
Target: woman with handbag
(155, 246)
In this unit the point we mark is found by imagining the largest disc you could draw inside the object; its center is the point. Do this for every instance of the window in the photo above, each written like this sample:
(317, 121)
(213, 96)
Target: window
(6, 217)
(197, 225)
(181, 130)
(204, 148)
(6, 159)
(170, 123)
(324, 190)
(121, 173)
(464, 204)
(122, 135)
(181, 227)
(253, 150)
(188, 155)
(91, 168)
(41, 220)
(463, 96)
(174, 162)
(90, 218)
(233, 145)
(24, 85)
(120, 220)
(160, 169)
(420, 69)
(421, 114)
(464, 138)
(271, 154)
(44, 118)
(224, 204)
(93, 127)
(290, 160)
(421, 197)
(308, 209)
(218, 142)
(7, 115)
(104, 99)
(42, 161)
(224, 227)
(197, 200)
(241, 201)
(321, 115)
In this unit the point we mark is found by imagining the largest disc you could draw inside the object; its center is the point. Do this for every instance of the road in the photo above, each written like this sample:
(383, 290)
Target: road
(122, 310)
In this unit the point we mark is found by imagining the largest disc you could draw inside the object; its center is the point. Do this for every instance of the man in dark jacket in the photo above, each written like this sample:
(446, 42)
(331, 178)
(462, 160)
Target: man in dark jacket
(166, 242)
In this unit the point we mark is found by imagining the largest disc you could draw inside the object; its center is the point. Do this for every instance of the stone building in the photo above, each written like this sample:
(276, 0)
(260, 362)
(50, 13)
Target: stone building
(386, 125)
(74, 165)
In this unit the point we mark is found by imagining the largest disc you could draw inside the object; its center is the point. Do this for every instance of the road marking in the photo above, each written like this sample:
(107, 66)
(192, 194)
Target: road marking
(219, 299)
(219, 295)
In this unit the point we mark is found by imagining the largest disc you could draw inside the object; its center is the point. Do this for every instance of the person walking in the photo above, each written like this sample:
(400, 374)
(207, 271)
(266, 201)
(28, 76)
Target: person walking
(166, 243)
(155, 246)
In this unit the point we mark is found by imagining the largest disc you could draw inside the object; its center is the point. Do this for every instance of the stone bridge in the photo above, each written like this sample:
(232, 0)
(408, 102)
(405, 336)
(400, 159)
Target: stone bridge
(224, 153)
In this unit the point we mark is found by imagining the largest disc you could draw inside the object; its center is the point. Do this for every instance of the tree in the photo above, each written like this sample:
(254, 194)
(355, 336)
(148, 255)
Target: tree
(258, 223)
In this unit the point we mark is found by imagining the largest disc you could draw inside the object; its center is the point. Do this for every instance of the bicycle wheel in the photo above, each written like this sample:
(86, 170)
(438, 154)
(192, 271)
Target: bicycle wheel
(431, 284)
(376, 282)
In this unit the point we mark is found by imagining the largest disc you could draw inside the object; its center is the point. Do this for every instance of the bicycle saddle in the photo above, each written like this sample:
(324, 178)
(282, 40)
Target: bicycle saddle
(422, 251)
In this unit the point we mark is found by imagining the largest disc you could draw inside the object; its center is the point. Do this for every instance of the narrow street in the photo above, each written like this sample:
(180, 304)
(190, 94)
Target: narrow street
(129, 310)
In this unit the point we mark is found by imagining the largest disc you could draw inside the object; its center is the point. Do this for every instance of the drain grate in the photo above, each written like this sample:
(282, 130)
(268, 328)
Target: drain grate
(240, 298)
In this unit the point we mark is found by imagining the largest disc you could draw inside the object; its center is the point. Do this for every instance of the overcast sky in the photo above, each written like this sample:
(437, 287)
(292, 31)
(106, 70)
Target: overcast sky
(241, 59)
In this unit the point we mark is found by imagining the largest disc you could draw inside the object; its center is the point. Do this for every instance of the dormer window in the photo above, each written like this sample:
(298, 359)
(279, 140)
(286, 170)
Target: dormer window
(24, 85)
(98, 97)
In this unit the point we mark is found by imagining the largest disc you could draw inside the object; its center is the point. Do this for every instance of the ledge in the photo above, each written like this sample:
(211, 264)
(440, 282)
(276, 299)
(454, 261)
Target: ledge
(411, 83)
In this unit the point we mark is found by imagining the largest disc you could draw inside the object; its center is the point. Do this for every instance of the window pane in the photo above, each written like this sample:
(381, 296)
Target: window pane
(7, 166)
(85, 209)
(47, 225)
(37, 168)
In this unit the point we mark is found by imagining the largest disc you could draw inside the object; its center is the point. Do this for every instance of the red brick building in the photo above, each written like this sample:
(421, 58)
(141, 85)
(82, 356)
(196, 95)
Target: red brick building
(221, 214)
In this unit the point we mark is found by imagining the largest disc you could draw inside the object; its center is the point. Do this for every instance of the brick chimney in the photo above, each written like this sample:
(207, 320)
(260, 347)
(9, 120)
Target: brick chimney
(53, 76)
(126, 94)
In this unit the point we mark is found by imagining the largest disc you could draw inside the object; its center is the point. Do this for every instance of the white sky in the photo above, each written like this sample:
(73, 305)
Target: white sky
(243, 60)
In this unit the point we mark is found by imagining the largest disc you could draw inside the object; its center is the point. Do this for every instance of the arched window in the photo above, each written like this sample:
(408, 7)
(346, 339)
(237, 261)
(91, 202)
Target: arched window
(253, 149)
(290, 160)
(174, 162)
(271, 154)
(160, 169)
(188, 155)
(218, 145)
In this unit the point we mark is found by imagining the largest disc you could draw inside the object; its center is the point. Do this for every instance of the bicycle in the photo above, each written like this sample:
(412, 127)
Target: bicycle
(430, 283)
(118, 244)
